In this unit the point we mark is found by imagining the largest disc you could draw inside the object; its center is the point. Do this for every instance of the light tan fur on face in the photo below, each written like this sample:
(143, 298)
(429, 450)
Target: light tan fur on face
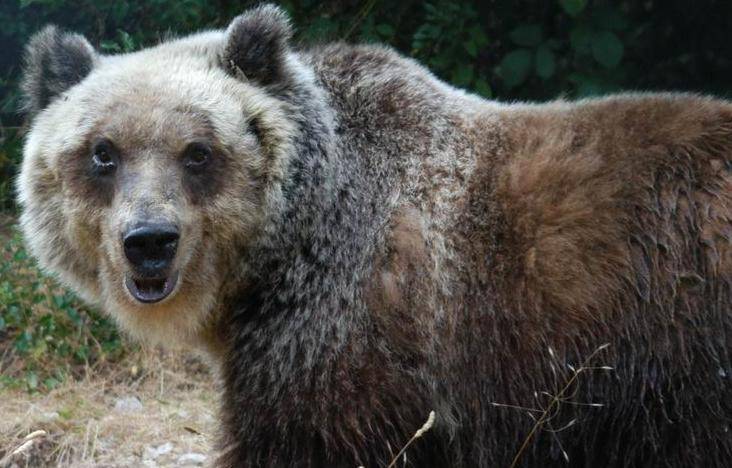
(155, 108)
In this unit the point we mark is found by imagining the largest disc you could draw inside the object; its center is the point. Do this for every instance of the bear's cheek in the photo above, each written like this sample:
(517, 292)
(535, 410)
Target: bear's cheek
(233, 217)
(112, 280)
(197, 263)
(83, 228)
(112, 262)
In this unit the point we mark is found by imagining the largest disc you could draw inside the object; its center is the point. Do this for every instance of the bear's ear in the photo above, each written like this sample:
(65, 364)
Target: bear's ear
(54, 62)
(257, 43)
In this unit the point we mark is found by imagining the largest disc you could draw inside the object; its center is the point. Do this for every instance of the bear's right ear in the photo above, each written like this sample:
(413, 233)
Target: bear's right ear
(54, 62)
(257, 43)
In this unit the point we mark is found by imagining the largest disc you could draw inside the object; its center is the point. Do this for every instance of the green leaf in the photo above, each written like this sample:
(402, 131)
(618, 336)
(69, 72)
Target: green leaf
(14, 313)
(424, 35)
(463, 75)
(580, 38)
(471, 48)
(82, 353)
(50, 383)
(73, 314)
(440, 62)
(110, 46)
(31, 380)
(528, 35)
(607, 49)
(515, 66)
(545, 62)
(431, 9)
(483, 88)
(128, 44)
(59, 301)
(385, 30)
(573, 7)
(478, 36)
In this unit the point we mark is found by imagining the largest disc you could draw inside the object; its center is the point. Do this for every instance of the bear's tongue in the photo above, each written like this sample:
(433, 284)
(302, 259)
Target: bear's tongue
(151, 290)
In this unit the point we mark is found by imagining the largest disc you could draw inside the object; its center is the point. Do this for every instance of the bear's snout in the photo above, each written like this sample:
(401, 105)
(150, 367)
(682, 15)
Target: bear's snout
(150, 248)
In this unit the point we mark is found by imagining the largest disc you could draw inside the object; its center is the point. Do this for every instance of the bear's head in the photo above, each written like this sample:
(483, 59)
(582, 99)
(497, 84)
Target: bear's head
(144, 174)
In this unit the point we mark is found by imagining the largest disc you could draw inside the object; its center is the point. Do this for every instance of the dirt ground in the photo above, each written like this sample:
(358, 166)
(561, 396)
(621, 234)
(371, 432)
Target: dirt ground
(155, 409)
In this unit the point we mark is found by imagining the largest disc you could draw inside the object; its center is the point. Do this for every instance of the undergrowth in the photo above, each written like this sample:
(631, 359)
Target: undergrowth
(47, 334)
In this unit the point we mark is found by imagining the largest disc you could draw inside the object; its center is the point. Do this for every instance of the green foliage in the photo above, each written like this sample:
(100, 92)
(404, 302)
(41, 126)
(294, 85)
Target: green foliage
(449, 41)
(607, 49)
(515, 67)
(573, 7)
(46, 333)
(10, 156)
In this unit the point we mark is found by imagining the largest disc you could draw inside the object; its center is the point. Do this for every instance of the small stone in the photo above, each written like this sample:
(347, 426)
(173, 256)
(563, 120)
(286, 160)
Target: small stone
(50, 416)
(128, 405)
(151, 453)
(192, 458)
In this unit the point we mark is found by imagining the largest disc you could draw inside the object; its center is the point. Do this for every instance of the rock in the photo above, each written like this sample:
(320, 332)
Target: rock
(128, 405)
(151, 453)
(192, 459)
(50, 416)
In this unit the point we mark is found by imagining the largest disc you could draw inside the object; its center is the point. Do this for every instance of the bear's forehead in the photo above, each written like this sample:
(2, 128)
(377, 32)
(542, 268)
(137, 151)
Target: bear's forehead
(140, 123)
(137, 109)
(154, 80)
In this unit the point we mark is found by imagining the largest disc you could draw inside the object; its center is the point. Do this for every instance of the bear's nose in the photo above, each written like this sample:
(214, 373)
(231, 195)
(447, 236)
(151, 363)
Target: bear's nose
(150, 248)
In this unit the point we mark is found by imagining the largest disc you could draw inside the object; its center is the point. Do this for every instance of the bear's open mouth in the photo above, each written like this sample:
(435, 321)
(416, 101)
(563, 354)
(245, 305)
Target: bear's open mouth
(150, 290)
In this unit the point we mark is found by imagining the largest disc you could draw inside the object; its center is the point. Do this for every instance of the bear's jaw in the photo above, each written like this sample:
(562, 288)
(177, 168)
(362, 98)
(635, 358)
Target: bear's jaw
(151, 290)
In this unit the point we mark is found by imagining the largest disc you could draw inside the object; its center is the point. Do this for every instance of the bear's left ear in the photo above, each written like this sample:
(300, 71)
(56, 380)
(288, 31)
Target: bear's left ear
(257, 43)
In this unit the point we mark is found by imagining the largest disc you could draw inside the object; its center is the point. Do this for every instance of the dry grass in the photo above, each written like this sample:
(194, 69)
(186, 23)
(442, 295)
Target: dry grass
(545, 413)
(86, 427)
(80, 422)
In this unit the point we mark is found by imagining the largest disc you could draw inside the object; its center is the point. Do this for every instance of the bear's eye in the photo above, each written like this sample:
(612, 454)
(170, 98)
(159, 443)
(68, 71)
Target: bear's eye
(197, 156)
(104, 158)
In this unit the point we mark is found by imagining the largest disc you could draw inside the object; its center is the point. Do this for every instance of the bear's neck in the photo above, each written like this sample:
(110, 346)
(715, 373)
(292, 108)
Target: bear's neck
(305, 265)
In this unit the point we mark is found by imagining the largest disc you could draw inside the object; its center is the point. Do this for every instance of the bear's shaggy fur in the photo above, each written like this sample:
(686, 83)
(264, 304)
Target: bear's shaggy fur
(368, 244)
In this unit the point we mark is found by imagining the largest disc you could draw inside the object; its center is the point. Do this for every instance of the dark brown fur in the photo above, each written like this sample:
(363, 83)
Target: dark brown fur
(600, 233)
(605, 222)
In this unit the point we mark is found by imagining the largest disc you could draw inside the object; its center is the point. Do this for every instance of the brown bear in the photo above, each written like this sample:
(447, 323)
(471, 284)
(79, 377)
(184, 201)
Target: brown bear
(356, 243)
